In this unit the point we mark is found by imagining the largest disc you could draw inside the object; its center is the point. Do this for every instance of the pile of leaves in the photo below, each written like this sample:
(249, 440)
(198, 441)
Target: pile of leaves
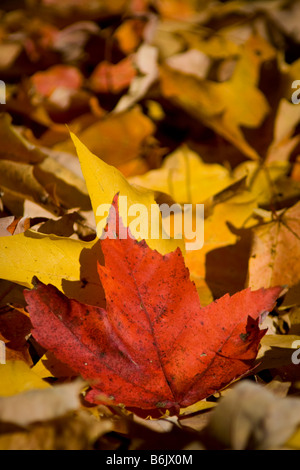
(117, 342)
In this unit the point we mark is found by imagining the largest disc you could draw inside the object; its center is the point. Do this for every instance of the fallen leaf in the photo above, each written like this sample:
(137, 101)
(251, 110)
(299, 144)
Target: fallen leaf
(185, 177)
(176, 9)
(165, 434)
(293, 442)
(296, 170)
(11, 293)
(72, 40)
(276, 351)
(19, 178)
(112, 78)
(14, 146)
(174, 97)
(29, 172)
(217, 46)
(17, 377)
(145, 60)
(104, 181)
(75, 430)
(117, 139)
(9, 53)
(251, 417)
(287, 19)
(15, 329)
(19, 225)
(157, 350)
(284, 141)
(219, 105)
(129, 34)
(5, 222)
(278, 387)
(70, 188)
(232, 212)
(68, 263)
(58, 76)
(192, 62)
(62, 261)
(262, 179)
(40, 405)
(269, 263)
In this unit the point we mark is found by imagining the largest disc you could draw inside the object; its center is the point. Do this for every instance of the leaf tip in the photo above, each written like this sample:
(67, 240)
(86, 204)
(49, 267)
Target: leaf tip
(35, 282)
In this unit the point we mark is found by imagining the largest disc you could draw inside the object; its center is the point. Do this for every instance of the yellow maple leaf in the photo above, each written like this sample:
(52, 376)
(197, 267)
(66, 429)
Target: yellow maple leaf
(70, 264)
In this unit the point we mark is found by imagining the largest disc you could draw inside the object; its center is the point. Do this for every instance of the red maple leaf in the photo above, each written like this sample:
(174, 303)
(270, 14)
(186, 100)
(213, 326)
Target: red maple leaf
(154, 346)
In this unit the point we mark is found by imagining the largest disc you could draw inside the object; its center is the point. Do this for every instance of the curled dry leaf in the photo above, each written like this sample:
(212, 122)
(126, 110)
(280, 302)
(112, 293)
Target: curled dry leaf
(78, 430)
(40, 405)
(252, 417)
